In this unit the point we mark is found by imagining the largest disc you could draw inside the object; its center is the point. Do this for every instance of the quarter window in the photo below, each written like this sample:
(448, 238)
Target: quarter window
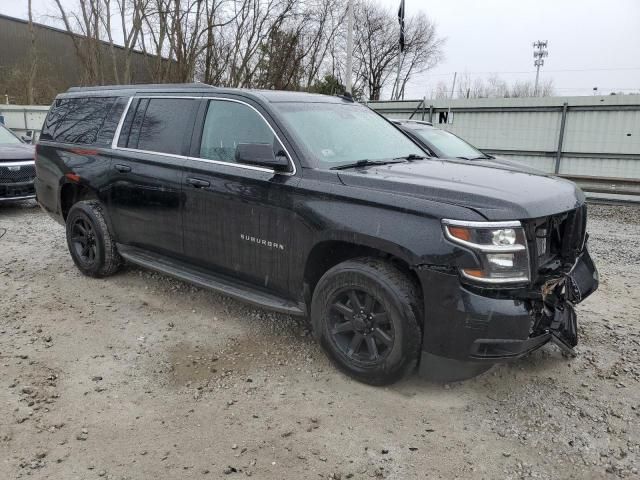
(76, 120)
(228, 124)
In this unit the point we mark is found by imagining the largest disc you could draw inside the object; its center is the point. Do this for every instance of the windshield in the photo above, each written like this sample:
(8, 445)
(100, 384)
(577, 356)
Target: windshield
(342, 134)
(446, 144)
(7, 137)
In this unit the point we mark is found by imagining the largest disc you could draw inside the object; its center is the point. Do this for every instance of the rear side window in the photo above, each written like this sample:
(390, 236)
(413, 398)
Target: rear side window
(158, 125)
(229, 123)
(76, 120)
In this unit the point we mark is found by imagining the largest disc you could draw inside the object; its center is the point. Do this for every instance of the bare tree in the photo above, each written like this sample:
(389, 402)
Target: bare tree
(377, 51)
(323, 21)
(217, 16)
(153, 38)
(376, 46)
(442, 90)
(423, 51)
(84, 31)
(284, 44)
(495, 87)
(33, 58)
(129, 14)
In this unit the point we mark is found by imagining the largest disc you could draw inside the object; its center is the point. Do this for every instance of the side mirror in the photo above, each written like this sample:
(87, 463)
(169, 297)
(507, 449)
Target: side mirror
(27, 137)
(261, 154)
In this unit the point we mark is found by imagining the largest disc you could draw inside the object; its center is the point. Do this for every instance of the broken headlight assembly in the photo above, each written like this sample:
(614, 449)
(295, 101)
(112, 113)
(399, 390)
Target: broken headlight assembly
(501, 248)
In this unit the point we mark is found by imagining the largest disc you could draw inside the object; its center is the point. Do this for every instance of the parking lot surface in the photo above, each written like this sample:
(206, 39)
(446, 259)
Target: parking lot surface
(140, 376)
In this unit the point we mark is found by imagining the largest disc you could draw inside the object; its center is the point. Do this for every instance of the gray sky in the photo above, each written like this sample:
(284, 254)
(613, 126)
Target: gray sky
(599, 40)
(591, 42)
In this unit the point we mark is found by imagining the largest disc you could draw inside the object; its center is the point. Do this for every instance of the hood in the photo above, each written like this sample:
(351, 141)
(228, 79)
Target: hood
(501, 162)
(16, 151)
(496, 190)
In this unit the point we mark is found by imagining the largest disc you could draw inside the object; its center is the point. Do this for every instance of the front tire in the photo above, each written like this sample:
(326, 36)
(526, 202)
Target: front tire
(90, 243)
(364, 313)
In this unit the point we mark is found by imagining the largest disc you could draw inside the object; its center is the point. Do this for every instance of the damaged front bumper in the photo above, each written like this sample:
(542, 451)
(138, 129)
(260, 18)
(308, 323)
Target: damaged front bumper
(463, 325)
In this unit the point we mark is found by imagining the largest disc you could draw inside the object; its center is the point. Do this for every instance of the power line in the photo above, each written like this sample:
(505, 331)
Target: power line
(529, 72)
(602, 88)
(422, 81)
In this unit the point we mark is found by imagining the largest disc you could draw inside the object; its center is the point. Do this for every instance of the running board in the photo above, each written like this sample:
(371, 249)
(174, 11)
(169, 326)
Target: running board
(211, 281)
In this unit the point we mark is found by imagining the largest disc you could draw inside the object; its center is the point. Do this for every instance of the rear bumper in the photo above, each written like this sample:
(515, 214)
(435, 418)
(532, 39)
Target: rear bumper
(47, 197)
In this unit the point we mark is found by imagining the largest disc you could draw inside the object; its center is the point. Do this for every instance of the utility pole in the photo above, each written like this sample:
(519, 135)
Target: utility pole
(397, 86)
(453, 85)
(348, 86)
(453, 88)
(539, 52)
(401, 45)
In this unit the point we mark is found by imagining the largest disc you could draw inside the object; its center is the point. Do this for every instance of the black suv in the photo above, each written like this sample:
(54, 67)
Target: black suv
(317, 206)
(17, 168)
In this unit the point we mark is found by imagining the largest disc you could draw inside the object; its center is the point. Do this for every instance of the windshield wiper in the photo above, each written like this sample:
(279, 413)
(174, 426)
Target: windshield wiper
(481, 157)
(367, 163)
(412, 156)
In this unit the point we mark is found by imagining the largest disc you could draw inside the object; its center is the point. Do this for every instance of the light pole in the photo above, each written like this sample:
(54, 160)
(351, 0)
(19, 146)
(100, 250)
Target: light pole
(348, 86)
(540, 51)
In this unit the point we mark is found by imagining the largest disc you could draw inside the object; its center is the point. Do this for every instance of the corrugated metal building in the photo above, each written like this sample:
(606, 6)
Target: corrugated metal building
(595, 136)
(57, 58)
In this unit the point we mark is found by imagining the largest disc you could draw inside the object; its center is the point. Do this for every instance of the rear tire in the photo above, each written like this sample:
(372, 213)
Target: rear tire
(364, 314)
(90, 243)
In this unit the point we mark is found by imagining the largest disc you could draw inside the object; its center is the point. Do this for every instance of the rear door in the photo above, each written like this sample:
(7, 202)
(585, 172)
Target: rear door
(145, 200)
(237, 217)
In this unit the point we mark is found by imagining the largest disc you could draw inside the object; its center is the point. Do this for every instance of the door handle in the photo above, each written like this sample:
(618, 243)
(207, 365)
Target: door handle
(196, 182)
(122, 168)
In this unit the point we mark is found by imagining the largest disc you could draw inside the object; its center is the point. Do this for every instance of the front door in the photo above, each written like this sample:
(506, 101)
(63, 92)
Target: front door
(237, 217)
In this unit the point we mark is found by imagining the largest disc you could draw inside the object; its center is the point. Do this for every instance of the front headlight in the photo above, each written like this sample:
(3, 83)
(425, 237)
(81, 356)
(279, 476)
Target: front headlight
(501, 248)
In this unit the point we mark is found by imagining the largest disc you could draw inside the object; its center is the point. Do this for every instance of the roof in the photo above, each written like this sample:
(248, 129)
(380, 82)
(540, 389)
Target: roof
(271, 96)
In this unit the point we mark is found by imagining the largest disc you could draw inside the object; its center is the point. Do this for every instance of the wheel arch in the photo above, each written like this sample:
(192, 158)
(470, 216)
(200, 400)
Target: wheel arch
(72, 193)
(330, 252)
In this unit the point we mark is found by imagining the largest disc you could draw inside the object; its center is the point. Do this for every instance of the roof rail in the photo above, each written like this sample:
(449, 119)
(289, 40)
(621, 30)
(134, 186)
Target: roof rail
(150, 86)
(409, 120)
(346, 96)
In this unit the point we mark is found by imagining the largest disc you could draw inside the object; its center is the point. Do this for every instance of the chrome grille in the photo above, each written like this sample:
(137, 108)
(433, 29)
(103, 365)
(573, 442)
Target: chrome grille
(17, 174)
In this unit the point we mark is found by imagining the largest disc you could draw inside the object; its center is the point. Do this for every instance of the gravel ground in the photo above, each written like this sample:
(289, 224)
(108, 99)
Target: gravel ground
(141, 376)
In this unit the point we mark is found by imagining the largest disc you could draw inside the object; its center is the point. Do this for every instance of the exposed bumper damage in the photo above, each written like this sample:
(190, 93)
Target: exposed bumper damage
(559, 296)
(467, 330)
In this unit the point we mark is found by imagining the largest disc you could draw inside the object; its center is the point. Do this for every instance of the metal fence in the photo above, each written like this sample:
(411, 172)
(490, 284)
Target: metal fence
(594, 140)
(24, 118)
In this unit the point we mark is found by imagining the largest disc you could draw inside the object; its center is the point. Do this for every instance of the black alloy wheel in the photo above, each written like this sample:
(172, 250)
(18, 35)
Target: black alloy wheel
(92, 247)
(364, 313)
(83, 239)
(360, 326)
